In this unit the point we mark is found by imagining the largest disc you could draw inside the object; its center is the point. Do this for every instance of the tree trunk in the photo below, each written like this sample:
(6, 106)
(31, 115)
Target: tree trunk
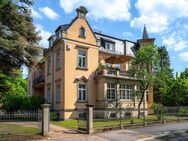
(141, 101)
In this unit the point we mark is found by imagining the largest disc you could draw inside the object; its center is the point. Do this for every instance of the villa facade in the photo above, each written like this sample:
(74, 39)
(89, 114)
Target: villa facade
(74, 71)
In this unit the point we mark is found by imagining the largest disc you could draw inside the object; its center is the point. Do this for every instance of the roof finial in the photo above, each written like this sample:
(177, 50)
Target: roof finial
(145, 33)
(81, 11)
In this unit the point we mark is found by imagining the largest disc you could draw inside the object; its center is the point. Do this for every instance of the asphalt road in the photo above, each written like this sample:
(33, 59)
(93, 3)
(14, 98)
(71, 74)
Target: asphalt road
(168, 132)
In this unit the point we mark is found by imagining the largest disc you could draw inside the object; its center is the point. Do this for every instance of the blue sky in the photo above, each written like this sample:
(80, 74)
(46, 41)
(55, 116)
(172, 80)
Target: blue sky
(166, 20)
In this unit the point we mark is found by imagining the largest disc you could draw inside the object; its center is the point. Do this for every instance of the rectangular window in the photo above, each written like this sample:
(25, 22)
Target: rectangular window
(49, 66)
(82, 58)
(82, 32)
(82, 92)
(49, 94)
(58, 93)
(111, 91)
(126, 91)
(109, 46)
(58, 59)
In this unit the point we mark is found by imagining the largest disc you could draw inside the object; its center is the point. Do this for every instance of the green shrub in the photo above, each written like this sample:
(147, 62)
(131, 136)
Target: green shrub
(155, 108)
(183, 110)
(53, 116)
(15, 103)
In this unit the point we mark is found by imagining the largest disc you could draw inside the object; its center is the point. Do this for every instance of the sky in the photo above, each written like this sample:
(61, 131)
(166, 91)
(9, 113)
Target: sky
(165, 20)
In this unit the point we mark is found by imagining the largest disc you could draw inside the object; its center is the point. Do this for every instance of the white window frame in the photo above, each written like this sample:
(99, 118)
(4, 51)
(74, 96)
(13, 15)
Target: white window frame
(111, 91)
(125, 91)
(58, 93)
(110, 46)
(82, 58)
(58, 58)
(81, 92)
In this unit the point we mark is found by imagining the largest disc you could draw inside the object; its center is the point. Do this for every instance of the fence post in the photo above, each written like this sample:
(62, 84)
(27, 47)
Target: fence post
(178, 117)
(89, 118)
(164, 121)
(45, 119)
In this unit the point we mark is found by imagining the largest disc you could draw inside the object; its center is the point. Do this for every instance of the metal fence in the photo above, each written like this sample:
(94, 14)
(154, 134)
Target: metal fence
(22, 118)
(106, 119)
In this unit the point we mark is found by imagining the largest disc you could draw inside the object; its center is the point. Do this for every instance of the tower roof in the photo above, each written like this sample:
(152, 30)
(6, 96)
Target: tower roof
(145, 33)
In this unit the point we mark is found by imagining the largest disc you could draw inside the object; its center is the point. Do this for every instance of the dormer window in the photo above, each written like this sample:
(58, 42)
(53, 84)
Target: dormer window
(50, 42)
(109, 46)
(82, 32)
(59, 34)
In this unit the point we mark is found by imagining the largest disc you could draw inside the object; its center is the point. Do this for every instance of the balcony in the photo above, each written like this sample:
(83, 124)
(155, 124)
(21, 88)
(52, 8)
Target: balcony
(38, 81)
(111, 72)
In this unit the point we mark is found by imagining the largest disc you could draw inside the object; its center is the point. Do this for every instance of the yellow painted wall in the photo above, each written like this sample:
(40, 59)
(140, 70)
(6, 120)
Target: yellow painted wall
(72, 72)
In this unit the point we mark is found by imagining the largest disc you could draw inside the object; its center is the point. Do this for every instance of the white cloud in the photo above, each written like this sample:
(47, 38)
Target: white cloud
(175, 41)
(98, 9)
(128, 35)
(35, 14)
(185, 27)
(159, 14)
(44, 35)
(48, 12)
(184, 56)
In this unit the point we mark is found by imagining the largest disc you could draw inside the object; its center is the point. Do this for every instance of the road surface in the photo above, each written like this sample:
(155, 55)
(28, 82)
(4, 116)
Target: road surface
(168, 132)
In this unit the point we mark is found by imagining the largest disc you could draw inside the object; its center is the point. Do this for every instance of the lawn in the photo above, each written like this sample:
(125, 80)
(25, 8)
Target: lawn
(99, 124)
(67, 123)
(102, 123)
(16, 132)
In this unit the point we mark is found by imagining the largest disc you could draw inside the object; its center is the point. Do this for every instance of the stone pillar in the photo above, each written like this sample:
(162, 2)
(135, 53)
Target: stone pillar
(104, 71)
(89, 118)
(117, 73)
(45, 119)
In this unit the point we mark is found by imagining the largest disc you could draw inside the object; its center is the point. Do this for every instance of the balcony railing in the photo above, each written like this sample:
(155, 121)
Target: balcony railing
(112, 73)
(39, 80)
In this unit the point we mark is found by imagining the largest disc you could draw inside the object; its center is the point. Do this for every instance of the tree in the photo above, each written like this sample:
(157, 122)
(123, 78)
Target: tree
(166, 73)
(175, 93)
(144, 65)
(18, 38)
(13, 85)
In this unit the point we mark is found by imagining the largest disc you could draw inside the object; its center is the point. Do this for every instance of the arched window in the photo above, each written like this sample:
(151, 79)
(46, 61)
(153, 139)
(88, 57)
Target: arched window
(82, 32)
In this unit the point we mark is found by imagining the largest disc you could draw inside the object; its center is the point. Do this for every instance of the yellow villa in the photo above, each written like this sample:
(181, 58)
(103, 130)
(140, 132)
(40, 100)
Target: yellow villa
(76, 71)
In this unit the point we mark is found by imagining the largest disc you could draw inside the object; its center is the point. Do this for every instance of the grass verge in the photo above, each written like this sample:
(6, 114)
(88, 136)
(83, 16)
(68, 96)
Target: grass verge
(16, 132)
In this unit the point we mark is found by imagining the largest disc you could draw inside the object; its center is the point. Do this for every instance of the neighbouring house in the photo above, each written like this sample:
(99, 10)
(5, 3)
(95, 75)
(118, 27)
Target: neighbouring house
(36, 75)
(76, 70)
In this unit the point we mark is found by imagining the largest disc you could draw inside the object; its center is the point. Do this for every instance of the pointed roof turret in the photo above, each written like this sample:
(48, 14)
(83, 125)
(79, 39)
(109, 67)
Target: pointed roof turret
(145, 33)
(145, 39)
